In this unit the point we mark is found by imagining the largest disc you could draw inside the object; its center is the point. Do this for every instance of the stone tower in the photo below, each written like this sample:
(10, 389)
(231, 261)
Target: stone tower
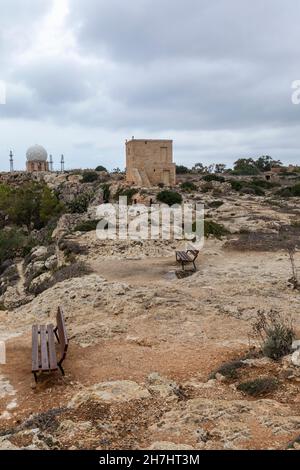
(150, 162)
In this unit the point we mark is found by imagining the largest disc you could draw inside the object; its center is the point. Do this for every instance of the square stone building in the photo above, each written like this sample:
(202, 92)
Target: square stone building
(150, 162)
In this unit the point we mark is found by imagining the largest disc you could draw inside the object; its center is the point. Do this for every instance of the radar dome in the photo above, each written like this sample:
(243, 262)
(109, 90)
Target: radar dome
(36, 153)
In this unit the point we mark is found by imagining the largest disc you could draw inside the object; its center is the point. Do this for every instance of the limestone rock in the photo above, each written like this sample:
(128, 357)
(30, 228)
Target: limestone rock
(295, 359)
(109, 392)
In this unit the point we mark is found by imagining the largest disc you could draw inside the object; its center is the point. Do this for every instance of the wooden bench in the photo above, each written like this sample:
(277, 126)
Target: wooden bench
(185, 257)
(45, 358)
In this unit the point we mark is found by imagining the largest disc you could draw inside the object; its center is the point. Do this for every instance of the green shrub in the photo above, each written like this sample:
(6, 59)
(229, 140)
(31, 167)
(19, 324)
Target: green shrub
(209, 178)
(214, 229)
(249, 187)
(216, 204)
(80, 204)
(293, 191)
(258, 387)
(13, 243)
(228, 369)
(106, 192)
(169, 197)
(188, 186)
(237, 185)
(129, 193)
(87, 226)
(89, 177)
(261, 183)
(274, 332)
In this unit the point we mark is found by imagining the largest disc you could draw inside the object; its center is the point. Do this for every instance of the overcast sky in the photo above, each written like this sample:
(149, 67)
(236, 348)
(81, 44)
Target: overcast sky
(213, 75)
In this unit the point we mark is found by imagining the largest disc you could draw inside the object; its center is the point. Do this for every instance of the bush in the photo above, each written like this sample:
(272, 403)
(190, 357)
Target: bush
(89, 177)
(214, 229)
(188, 186)
(80, 204)
(169, 197)
(249, 187)
(228, 370)
(261, 183)
(209, 178)
(216, 204)
(258, 387)
(293, 191)
(13, 243)
(129, 193)
(274, 333)
(87, 226)
(237, 185)
(101, 168)
(106, 192)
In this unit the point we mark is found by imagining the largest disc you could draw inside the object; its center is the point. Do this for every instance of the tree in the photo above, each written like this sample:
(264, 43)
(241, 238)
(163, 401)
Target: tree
(198, 168)
(266, 163)
(181, 169)
(32, 204)
(210, 168)
(101, 168)
(220, 168)
(50, 206)
(245, 166)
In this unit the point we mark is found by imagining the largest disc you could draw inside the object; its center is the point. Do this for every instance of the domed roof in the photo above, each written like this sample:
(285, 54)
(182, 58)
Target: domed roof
(36, 153)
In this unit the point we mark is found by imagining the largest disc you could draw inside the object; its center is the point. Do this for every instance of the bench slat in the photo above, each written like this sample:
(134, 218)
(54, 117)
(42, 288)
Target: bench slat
(35, 349)
(183, 256)
(52, 350)
(44, 348)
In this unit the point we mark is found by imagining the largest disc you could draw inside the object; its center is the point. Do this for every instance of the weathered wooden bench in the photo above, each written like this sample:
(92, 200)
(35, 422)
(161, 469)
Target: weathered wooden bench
(185, 257)
(45, 358)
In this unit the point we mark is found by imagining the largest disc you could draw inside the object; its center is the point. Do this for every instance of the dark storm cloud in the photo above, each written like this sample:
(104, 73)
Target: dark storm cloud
(214, 75)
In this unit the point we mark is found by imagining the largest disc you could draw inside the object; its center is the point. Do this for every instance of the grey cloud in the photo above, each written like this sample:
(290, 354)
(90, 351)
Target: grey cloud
(219, 72)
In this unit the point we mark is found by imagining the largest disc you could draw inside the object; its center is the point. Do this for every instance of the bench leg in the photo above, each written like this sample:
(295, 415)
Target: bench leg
(182, 266)
(61, 369)
(35, 377)
(195, 267)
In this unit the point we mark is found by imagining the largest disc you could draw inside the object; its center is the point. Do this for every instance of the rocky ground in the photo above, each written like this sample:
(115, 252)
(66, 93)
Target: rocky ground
(144, 367)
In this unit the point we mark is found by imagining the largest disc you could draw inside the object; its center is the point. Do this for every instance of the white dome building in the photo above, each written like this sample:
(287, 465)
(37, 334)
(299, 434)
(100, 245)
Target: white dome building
(37, 159)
